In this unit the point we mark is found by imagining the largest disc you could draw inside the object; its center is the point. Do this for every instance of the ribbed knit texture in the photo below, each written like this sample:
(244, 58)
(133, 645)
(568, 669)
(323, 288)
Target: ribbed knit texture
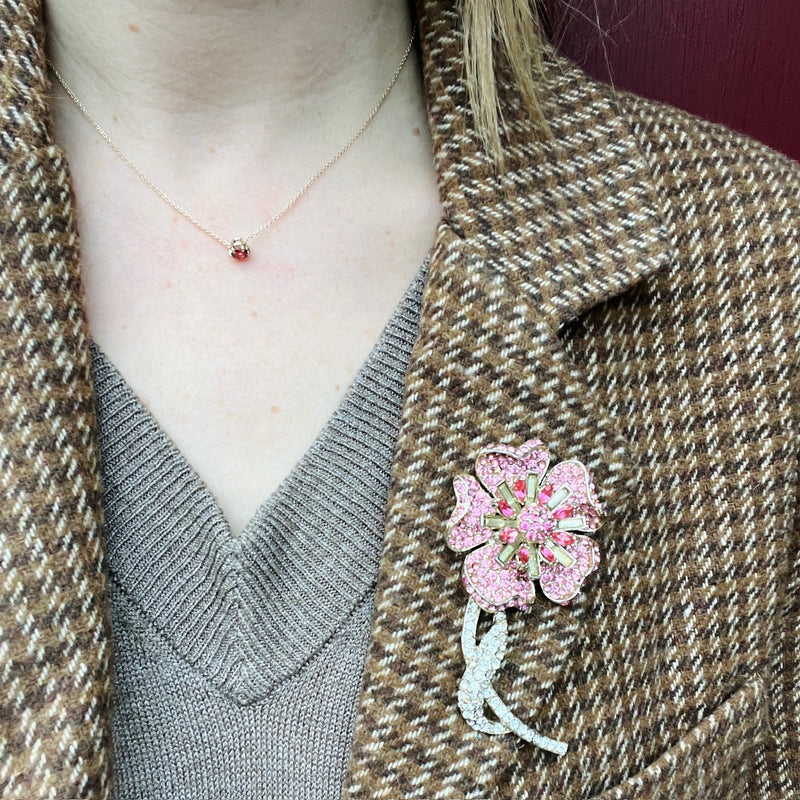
(239, 661)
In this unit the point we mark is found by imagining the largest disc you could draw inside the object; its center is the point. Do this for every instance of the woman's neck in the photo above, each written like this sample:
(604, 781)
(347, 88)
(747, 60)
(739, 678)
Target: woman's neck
(182, 71)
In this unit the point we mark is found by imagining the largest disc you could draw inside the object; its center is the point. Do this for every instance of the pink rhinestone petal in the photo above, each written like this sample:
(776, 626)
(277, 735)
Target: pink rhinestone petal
(498, 462)
(583, 499)
(493, 586)
(464, 529)
(561, 583)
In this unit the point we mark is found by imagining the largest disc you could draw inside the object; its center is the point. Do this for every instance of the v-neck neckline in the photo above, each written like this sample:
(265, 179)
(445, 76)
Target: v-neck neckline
(248, 611)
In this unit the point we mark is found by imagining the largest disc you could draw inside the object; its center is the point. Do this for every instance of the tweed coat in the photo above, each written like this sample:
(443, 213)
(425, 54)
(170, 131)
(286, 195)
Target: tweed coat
(626, 291)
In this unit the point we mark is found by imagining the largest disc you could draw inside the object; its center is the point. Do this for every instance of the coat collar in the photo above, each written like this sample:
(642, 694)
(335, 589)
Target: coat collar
(571, 223)
(574, 220)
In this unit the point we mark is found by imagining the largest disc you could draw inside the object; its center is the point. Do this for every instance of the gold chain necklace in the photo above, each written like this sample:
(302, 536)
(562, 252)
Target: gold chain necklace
(238, 248)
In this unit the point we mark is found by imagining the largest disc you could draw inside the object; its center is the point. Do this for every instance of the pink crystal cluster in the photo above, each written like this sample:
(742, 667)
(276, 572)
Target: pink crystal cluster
(520, 522)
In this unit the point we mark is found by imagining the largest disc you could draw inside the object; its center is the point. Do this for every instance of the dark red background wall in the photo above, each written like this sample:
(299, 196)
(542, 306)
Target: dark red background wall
(731, 61)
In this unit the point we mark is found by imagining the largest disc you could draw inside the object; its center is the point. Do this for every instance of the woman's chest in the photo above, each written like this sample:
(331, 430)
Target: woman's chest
(243, 364)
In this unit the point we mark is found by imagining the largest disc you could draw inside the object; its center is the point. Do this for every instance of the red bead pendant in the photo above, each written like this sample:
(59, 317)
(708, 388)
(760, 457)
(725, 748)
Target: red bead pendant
(239, 250)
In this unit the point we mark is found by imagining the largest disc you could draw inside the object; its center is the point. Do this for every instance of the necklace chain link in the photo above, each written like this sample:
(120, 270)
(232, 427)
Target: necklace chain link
(238, 248)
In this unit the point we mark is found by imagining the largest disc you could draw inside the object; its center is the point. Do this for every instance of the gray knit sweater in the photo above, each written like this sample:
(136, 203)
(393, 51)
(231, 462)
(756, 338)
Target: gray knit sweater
(238, 661)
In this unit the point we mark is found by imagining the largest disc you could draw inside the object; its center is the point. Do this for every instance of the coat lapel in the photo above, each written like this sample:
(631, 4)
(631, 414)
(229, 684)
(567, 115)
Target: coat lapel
(570, 223)
(54, 739)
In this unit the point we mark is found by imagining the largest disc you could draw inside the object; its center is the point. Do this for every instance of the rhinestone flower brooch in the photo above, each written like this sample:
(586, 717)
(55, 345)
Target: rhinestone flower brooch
(518, 521)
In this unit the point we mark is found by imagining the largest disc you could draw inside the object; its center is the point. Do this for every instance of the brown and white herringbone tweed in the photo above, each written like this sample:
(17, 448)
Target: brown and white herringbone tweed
(54, 645)
(628, 291)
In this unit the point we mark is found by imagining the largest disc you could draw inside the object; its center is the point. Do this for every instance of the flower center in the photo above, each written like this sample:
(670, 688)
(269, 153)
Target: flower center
(533, 514)
(536, 522)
